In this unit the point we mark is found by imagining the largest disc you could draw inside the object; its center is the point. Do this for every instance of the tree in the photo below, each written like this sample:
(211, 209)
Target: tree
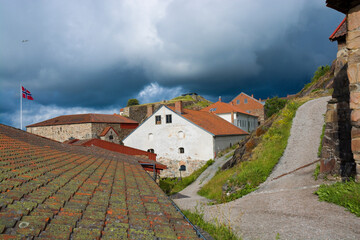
(132, 102)
(274, 105)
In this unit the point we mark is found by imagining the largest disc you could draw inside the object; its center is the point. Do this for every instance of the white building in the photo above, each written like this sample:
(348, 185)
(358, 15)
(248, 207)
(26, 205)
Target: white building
(183, 137)
(234, 115)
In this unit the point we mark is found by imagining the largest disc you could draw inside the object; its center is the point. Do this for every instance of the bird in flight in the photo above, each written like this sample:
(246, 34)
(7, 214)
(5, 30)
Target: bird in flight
(24, 41)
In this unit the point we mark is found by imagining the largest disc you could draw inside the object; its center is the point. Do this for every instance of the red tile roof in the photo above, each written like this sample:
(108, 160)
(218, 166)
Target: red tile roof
(105, 131)
(252, 103)
(340, 31)
(211, 122)
(50, 190)
(84, 118)
(221, 107)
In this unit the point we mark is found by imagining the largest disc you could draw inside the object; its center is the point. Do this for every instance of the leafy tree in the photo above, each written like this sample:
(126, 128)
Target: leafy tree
(132, 102)
(274, 105)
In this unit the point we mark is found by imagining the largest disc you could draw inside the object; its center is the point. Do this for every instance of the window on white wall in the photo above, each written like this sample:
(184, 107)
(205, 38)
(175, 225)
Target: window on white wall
(181, 150)
(181, 134)
(158, 119)
(151, 136)
(168, 118)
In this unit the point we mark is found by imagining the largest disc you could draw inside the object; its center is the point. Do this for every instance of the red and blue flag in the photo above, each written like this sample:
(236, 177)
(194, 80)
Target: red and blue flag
(26, 94)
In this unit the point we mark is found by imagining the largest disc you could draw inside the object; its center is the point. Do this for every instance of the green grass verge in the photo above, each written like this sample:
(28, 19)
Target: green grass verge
(247, 176)
(321, 140)
(218, 231)
(344, 194)
(316, 172)
(173, 185)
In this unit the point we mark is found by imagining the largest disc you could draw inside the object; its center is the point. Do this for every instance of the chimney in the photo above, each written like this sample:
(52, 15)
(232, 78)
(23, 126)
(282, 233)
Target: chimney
(220, 99)
(232, 103)
(259, 99)
(178, 107)
(150, 110)
(232, 117)
(252, 95)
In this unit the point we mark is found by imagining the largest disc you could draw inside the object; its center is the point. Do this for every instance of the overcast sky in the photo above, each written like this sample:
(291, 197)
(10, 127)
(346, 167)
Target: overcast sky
(92, 56)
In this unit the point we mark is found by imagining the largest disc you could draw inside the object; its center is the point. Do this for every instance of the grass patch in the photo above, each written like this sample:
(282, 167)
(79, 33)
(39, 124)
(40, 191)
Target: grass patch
(316, 172)
(320, 71)
(218, 231)
(173, 185)
(344, 194)
(186, 98)
(225, 151)
(247, 176)
(321, 140)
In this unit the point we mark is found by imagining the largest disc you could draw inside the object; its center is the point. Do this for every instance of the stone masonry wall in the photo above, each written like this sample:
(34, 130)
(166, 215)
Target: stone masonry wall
(62, 133)
(353, 46)
(173, 166)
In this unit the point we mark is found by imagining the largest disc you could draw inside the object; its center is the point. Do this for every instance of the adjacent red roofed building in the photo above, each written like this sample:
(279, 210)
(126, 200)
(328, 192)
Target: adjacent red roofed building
(109, 127)
(234, 115)
(51, 190)
(250, 105)
(184, 137)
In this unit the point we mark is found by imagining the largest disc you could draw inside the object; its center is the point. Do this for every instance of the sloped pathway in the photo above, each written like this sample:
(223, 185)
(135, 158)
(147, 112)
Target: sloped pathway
(287, 206)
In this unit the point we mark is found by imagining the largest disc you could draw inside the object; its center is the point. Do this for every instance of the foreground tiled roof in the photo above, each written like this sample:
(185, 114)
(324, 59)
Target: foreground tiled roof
(340, 31)
(84, 118)
(50, 190)
(211, 123)
(221, 107)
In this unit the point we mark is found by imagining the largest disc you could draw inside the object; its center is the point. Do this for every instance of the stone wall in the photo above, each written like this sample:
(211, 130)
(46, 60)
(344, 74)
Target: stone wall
(62, 133)
(337, 157)
(173, 166)
(353, 46)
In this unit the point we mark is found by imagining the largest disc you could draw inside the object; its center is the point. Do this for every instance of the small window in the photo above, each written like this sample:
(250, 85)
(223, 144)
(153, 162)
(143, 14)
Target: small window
(168, 118)
(111, 137)
(181, 150)
(237, 102)
(245, 101)
(158, 119)
(181, 134)
(151, 150)
(151, 136)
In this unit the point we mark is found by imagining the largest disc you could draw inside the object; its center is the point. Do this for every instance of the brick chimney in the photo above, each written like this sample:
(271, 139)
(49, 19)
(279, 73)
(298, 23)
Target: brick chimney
(150, 110)
(252, 95)
(220, 99)
(178, 107)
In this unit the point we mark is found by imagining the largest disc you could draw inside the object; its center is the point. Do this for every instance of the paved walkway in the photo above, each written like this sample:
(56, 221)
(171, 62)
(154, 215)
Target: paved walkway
(287, 206)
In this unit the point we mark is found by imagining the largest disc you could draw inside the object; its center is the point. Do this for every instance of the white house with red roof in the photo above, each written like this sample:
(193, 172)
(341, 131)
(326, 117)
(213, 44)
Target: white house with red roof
(233, 114)
(184, 137)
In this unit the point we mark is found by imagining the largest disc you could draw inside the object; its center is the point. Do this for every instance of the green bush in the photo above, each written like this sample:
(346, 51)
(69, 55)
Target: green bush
(316, 172)
(132, 102)
(274, 105)
(320, 71)
(344, 194)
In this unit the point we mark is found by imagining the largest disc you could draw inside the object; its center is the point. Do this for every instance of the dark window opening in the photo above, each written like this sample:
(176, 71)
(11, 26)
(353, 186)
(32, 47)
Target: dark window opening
(168, 118)
(158, 119)
(111, 137)
(181, 150)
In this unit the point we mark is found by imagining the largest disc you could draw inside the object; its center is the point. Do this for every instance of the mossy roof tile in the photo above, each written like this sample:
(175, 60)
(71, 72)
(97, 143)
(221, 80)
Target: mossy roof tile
(68, 192)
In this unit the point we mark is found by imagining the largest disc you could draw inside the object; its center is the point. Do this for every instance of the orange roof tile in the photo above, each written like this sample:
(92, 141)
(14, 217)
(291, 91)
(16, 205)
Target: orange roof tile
(221, 107)
(252, 103)
(104, 132)
(84, 118)
(56, 189)
(340, 31)
(211, 122)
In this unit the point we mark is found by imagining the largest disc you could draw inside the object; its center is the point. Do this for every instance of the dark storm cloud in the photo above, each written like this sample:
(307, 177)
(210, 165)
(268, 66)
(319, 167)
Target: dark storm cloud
(90, 55)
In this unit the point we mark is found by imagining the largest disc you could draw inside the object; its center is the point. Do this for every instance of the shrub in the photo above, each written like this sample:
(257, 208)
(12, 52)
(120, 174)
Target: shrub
(132, 102)
(274, 105)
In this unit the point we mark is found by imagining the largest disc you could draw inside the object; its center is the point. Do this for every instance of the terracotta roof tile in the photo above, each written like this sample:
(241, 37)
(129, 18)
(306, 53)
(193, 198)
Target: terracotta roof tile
(252, 103)
(340, 31)
(84, 118)
(211, 122)
(49, 189)
(104, 132)
(221, 107)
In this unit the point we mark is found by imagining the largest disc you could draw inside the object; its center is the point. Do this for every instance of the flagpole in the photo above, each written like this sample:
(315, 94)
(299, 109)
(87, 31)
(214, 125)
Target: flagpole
(20, 107)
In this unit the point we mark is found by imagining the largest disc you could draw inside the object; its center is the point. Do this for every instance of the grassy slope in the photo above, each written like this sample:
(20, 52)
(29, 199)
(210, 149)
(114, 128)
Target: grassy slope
(343, 194)
(247, 176)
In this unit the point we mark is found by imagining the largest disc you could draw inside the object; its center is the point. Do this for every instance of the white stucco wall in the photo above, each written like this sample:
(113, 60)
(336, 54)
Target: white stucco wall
(247, 123)
(167, 138)
(223, 142)
(226, 116)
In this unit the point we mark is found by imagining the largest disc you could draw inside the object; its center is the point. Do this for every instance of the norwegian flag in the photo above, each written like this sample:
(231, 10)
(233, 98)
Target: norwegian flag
(26, 94)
